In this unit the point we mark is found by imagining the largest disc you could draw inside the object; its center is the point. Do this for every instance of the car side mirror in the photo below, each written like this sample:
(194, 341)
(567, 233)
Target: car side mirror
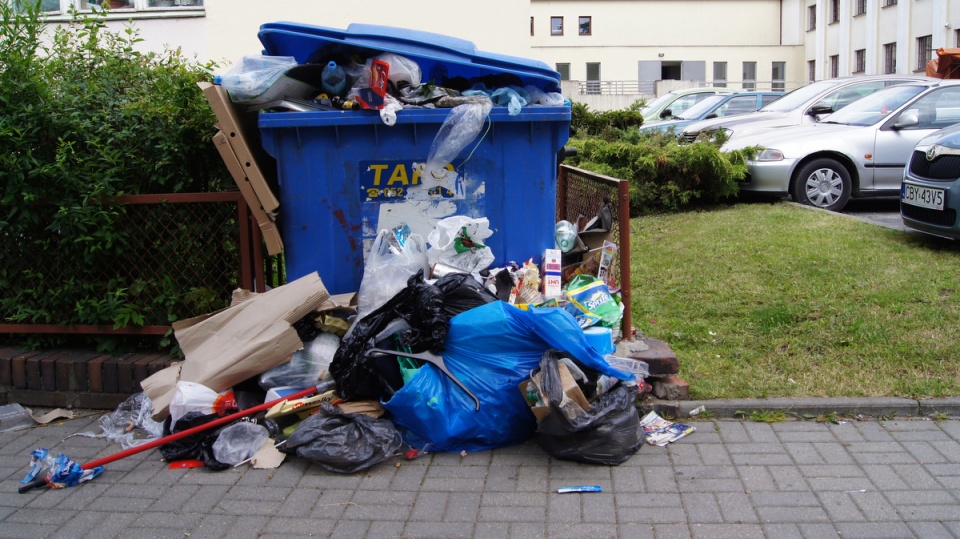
(711, 115)
(666, 114)
(819, 109)
(907, 119)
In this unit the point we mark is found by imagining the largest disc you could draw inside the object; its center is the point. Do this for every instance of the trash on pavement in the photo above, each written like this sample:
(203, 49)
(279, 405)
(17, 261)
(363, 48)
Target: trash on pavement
(602, 430)
(344, 443)
(239, 442)
(584, 488)
(121, 425)
(246, 339)
(661, 431)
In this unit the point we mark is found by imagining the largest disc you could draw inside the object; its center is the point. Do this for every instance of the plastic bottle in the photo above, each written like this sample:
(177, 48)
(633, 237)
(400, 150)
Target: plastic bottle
(566, 236)
(333, 80)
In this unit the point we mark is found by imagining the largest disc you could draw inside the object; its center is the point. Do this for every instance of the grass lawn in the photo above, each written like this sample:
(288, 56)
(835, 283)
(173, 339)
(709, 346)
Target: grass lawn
(775, 300)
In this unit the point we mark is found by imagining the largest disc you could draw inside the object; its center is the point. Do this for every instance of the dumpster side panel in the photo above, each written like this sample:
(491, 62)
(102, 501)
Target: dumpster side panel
(344, 178)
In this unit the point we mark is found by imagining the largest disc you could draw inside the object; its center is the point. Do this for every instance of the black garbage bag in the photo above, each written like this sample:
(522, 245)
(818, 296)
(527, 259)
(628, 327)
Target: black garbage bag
(461, 292)
(608, 433)
(370, 376)
(341, 442)
(197, 446)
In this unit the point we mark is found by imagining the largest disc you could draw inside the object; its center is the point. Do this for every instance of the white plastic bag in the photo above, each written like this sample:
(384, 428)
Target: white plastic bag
(238, 442)
(394, 256)
(193, 397)
(307, 365)
(252, 75)
(403, 71)
(458, 241)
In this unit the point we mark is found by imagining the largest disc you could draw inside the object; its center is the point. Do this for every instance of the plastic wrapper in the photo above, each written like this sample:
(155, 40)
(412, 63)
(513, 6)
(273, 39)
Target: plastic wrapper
(239, 442)
(253, 75)
(394, 256)
(458, 241)
(120, 426)
(67, 473)
(458, 130)
(40, 461)
(609, 432)
(418, 309)
(343, 443)
(536, 96)
(591, 296)
(491, 349)
(306, 367)
(403, 71)
(193, 397)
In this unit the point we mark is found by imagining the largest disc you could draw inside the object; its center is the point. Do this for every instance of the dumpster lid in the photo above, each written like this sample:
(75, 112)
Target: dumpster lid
(440, 57)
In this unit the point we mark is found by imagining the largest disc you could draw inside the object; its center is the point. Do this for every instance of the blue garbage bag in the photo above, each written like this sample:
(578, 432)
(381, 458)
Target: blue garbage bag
(491, 349)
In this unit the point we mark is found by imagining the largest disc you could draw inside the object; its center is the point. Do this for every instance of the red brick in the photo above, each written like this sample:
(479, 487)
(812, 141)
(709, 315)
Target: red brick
(18, 369)
(658, 355)
(34, 380)
(671, 387)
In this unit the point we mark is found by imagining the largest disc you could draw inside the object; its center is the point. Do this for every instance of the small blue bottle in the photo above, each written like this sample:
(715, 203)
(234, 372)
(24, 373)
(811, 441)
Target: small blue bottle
(333, 80)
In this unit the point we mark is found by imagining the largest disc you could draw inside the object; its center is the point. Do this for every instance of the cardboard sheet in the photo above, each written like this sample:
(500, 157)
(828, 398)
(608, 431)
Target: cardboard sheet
(248, 338)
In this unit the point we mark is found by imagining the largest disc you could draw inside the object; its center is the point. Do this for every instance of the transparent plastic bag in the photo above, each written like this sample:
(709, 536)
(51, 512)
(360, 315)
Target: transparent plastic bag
(252, 75)
(539, 97)
(307, 365)
(403, 70)
(238, 442)
(461, 127)
(120, 425)
(394, 257)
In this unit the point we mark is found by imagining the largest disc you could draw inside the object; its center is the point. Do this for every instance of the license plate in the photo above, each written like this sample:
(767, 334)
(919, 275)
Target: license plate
(922, 196)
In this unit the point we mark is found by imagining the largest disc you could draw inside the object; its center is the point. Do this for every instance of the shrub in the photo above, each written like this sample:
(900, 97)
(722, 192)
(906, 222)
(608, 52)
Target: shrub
(663, 175)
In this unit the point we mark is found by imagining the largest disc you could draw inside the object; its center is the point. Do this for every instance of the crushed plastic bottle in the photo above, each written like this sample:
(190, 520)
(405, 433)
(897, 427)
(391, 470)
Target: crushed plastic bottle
(333, 80)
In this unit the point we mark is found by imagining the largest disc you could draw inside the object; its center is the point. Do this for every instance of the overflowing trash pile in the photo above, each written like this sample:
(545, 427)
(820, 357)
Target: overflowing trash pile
(446, 345)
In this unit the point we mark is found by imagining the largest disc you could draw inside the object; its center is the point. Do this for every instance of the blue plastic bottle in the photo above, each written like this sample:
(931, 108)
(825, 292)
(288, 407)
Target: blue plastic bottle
(333, 80)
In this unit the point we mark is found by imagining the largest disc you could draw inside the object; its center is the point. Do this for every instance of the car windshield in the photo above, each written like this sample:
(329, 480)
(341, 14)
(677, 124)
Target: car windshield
(876, 106)
(799, 97)
(653, 105)
(697, 111)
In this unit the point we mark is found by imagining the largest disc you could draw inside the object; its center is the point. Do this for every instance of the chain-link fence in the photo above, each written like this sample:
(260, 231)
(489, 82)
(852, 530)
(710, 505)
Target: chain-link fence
(187, 255)
(581, 195)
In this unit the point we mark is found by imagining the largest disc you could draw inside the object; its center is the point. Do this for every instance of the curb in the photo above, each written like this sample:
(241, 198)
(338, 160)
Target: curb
(809, 408)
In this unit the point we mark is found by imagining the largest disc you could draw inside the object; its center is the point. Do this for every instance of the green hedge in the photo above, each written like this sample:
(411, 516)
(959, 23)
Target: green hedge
(85, 117)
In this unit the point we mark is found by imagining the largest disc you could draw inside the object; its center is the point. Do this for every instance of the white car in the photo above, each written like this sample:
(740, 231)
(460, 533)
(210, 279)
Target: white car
(803, 106)
(859, 151)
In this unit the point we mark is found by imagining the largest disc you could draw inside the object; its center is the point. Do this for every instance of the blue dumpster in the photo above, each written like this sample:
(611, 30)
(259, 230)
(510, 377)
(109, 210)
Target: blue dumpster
(345, 175)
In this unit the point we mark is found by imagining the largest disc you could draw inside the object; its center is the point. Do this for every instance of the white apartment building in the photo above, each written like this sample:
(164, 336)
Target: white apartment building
(610, 51)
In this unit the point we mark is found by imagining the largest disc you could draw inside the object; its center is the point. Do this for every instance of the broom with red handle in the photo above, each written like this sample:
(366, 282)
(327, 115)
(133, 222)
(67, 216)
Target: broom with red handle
(184, 433)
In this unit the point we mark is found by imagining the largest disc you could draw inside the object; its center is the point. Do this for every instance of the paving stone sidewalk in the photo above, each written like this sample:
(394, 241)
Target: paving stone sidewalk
(729, 479)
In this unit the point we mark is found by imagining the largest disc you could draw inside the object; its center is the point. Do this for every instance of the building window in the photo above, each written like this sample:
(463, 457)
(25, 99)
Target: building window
(811, 18)
(889, 3)
(531, 26)
(564, 70)
(585, 26)
(749, 75)
(860, 60)
(924, 51)
(122, 5)
(956, 38)
(811, 70)
(834, 11)
(720, 74)
(860, 7)
(556, 26)
(890, 58)
(778, 75)
(834, 66)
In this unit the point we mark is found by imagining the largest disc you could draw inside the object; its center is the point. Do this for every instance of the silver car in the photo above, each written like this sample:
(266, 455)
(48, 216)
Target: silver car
(859, 151)
(803, 106)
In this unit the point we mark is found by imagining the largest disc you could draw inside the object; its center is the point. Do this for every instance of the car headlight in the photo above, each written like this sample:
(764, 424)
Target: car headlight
(770, 154)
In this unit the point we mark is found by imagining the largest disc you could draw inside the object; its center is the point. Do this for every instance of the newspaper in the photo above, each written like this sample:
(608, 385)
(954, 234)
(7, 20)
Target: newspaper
(661, 432)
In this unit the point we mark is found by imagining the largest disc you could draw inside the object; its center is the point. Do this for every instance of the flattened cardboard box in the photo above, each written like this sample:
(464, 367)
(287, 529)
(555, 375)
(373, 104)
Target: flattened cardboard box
(232, 125)
(570, 389)
(248, 338)
(271, 236)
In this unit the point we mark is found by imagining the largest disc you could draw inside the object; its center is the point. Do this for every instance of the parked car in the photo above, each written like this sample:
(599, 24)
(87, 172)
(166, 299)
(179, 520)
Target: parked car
(930, 193)
(673, 103)
(715, 106)
(803, 106)
(858, 151)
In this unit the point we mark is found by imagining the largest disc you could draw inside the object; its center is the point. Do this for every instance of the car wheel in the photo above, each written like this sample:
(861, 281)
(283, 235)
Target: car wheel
(823, 183)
